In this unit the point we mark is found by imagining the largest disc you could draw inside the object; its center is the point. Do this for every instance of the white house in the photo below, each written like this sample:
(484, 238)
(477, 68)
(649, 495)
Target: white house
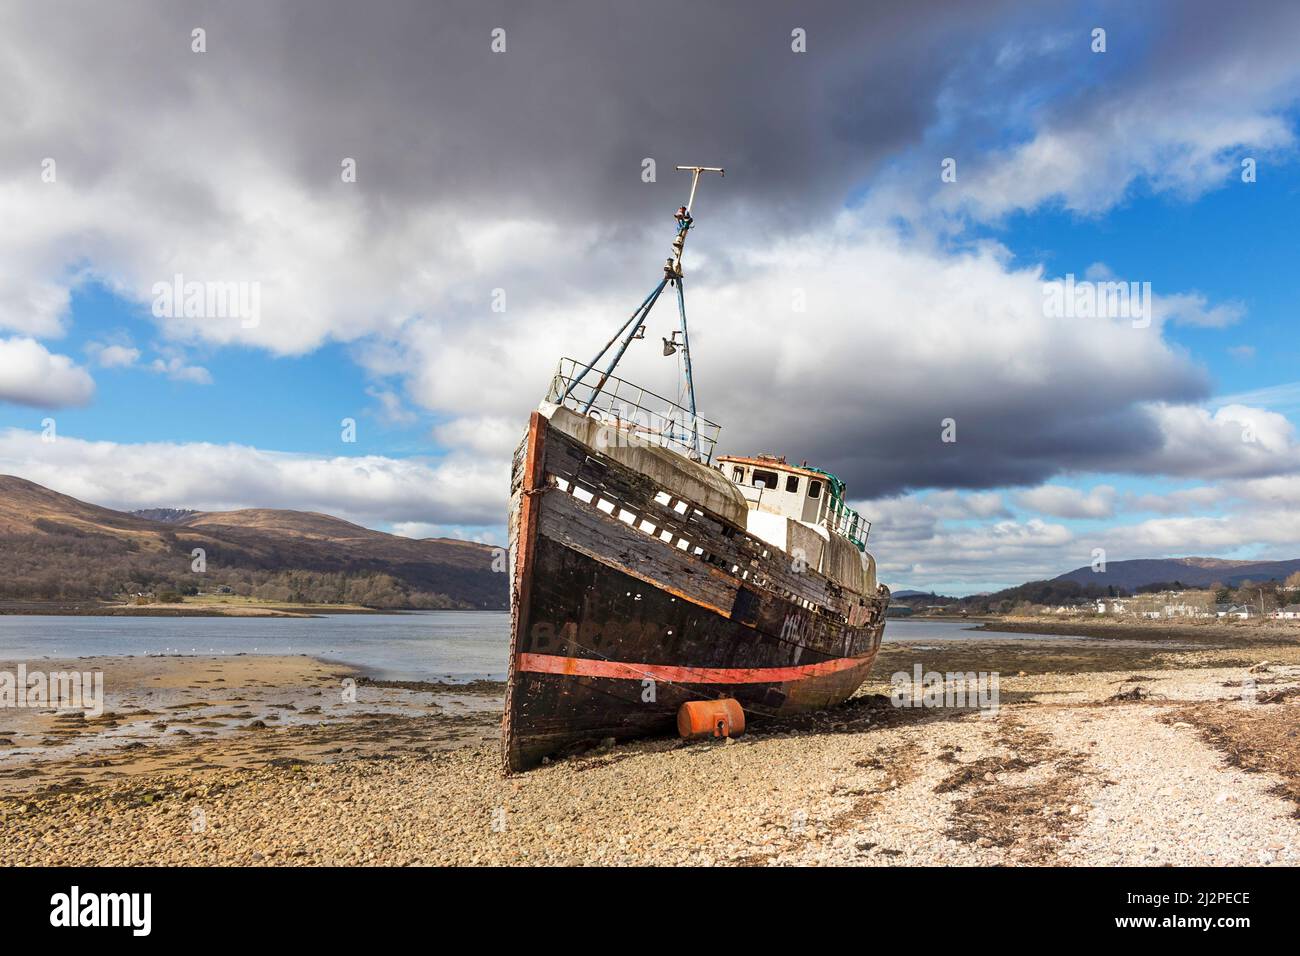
(1242, 611)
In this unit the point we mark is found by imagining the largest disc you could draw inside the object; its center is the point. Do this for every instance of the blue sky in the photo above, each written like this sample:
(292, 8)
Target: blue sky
(924, 297)
(1234, 244)
(293, 403)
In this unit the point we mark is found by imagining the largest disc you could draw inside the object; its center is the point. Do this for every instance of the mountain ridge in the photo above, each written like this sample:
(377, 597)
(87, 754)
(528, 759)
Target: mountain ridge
(1189, 571)
(1119, 578)
(57, 543)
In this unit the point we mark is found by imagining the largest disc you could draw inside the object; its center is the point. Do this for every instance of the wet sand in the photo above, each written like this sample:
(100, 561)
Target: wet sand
(1237, 633)
(208, 713)
(1102, 752)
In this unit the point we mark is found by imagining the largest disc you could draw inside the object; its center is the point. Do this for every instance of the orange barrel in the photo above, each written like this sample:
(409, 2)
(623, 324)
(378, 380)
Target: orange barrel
(711, 718)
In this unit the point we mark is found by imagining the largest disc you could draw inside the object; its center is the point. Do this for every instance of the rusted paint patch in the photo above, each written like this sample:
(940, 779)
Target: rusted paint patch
(587, 667)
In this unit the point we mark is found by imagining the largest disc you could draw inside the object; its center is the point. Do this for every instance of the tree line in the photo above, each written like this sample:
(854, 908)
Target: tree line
(58, 566)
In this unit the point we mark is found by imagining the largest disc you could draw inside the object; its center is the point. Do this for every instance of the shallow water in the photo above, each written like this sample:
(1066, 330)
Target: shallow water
(920, 629)
(421, 645)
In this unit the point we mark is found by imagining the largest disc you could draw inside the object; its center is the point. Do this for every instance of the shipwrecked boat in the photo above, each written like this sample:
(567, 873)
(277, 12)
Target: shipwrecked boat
(645, 575)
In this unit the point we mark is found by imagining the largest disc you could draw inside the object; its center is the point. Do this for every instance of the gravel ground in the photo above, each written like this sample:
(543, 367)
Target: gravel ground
(1062, 775)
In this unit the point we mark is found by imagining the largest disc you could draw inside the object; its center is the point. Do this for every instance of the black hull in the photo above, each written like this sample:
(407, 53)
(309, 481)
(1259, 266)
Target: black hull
(614, 628)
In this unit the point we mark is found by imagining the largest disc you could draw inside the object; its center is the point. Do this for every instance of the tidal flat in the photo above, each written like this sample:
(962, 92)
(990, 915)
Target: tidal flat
(1164, 752)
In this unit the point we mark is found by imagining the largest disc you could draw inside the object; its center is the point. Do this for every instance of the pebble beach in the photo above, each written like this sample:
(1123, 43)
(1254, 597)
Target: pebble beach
(1147, 755)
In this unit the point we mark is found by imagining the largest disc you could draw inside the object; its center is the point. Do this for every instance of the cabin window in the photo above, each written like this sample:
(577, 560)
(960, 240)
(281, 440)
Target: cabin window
(792, 483)
(738, 474)
(765, 479)
(814, 489)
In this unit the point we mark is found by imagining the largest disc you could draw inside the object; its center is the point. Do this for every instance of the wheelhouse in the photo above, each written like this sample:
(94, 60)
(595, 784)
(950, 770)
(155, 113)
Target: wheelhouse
(808, 495)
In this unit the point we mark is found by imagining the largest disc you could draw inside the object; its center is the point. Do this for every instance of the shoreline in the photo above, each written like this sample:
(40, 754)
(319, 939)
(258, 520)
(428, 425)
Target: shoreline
(1086, 762)
(1101, 753)
(1242, 633)
(83, 609)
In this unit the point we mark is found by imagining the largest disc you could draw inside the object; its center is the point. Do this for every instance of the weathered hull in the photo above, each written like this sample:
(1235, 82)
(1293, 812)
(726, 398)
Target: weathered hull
(621, 614)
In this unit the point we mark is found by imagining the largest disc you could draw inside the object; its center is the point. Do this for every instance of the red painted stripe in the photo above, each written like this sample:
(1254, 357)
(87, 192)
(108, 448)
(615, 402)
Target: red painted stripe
(585, 667)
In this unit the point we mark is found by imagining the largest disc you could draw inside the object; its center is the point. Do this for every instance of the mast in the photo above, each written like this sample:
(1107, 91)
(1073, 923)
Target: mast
(634, 327)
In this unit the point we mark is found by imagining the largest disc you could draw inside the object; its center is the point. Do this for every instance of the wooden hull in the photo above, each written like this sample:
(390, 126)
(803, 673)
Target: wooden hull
(627, 602)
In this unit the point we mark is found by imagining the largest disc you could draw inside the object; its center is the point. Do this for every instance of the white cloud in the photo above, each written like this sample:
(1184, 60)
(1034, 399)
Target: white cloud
(493, 535)
(1032, 394)
(1062, 501)
(1276, 490)
(224, 172)
(113, 356)
(369, 490)
(1171, 107)
(32, 375)
(1285, 396)
(483, 434)
(171, 363)
(916, 547)
(34, 295)
(1178, 132)
(1089, 162)
(406, 268)
(1192, 308)
(1233, 441)
(1278, 529)
(176, 369)
(1198, 498)
(391, 409)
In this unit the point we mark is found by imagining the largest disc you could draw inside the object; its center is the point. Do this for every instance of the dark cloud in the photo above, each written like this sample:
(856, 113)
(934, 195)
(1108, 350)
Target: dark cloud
(232, 157)
(557, 125)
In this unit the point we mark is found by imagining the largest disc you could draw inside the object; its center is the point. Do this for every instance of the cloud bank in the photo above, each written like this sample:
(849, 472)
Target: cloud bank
(841, 310)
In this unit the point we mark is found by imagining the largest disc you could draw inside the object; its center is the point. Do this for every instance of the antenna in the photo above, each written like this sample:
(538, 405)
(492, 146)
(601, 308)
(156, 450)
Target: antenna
(634, 327)
(673, 268)
(695, 179)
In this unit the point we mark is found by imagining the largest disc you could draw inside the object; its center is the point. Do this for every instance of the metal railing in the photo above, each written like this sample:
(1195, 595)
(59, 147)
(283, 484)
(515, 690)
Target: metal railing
(634, 415)
(840, 518)
(848, 523)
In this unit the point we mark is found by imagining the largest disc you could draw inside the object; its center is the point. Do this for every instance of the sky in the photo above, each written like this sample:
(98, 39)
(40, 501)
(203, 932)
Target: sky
(412, 211)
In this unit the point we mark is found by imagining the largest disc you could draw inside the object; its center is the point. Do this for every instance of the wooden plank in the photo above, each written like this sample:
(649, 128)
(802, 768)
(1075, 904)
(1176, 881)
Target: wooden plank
(532, 482)
(588, 531)
(732, 546)
(613, 543)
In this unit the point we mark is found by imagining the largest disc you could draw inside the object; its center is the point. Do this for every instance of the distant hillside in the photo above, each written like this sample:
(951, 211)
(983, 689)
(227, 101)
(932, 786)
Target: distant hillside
(55, 547)
(1120, 579)
(24, 505)
(921, 598)
(1192, 572)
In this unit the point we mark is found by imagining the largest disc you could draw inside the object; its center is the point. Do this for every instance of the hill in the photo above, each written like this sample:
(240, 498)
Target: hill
(1191, 572)
(914, 598)
(55, 547)
(1122, 579)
